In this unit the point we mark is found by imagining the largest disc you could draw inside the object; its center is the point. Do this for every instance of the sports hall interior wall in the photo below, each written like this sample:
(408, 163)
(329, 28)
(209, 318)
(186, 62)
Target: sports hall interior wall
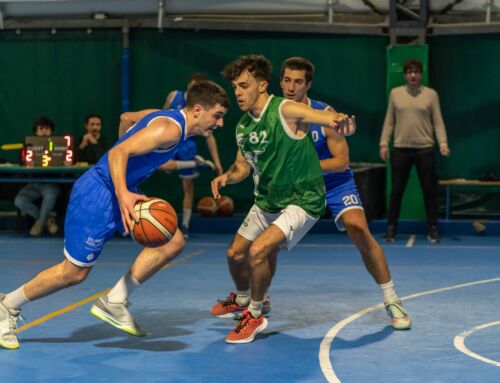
(71, 73)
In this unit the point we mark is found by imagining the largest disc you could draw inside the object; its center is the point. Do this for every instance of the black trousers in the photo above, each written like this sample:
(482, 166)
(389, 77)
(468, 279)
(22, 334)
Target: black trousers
(402, 161)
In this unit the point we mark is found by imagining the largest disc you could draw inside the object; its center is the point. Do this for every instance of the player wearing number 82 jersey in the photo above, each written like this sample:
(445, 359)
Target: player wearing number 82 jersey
(285, 169)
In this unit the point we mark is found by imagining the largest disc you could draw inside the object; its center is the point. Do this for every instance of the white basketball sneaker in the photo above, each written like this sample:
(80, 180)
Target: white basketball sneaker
(8, 326)
(398, 314)
(117, 315)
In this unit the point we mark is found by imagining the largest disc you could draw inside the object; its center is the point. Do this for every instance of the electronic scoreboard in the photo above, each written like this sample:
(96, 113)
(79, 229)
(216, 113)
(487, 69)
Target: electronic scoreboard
(46, 151)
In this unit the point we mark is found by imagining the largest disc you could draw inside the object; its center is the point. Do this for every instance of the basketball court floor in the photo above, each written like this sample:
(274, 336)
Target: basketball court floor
(326, 322)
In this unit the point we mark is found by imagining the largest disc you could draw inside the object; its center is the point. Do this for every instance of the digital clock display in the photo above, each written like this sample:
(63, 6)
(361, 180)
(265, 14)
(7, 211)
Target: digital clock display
(48, 151)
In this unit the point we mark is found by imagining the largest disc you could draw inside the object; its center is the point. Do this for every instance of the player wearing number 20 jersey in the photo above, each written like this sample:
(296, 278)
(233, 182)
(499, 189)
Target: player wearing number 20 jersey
(341, 191)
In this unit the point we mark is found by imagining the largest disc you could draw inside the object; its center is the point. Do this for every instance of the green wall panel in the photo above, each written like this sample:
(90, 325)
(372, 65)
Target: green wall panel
(64, 76)
(71, 73)
(350, 73)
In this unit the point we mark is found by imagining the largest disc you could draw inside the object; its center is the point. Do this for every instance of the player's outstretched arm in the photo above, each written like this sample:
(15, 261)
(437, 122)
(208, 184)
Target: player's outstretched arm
(237, 172)
(160, 134)
(300, 113)
(128, 119)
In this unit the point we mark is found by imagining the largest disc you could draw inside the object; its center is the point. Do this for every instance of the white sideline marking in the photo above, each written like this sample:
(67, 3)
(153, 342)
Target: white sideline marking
(324, 348)
(459, 343)
(411, 240)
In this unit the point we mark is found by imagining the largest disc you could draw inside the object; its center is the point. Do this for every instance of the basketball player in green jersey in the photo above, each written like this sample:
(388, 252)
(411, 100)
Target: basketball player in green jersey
(273, 142)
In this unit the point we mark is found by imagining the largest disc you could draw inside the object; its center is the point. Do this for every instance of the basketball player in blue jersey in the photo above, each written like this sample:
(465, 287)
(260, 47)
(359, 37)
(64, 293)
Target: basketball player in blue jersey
(342, 196)
(102, 202)
(186, 160)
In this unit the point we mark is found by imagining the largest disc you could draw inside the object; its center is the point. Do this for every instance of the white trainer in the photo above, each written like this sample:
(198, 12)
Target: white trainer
(8, 326)
(117, 315)
(399, 316)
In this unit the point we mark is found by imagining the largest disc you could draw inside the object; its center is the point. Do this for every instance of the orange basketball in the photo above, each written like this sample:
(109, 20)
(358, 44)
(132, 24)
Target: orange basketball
(207, 207)
(157, 223)
(225, 206)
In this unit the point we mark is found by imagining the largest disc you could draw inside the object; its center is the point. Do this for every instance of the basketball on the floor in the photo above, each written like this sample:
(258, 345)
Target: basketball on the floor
(225, 206)
(157, 223)
(207, 207)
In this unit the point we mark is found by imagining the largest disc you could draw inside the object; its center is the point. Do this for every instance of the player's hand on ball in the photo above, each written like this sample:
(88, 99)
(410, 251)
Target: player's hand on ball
(127, 202)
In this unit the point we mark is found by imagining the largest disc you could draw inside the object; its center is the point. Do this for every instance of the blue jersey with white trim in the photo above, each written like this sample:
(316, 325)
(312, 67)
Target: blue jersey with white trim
(331, 179)
(141, 167)
(179, 100)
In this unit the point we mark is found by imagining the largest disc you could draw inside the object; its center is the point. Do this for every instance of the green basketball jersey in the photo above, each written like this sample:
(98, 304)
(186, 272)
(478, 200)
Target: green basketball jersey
(286, 168)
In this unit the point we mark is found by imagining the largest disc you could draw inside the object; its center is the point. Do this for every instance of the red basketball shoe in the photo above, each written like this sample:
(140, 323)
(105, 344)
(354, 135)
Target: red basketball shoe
(227, 308)
(247, 328)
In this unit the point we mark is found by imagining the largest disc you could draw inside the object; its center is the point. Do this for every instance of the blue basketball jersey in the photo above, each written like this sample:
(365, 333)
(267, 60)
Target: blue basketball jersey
(190, 149)
(179, 100)
(331, 179)
(93, 214)
(141, 167)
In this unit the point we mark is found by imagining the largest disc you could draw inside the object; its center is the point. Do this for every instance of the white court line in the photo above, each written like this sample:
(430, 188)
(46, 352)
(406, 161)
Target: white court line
(459, 343)
(411, 240)
(324, 348)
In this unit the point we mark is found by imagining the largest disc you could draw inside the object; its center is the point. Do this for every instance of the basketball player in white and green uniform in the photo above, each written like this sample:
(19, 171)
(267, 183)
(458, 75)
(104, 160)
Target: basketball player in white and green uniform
(274, 143)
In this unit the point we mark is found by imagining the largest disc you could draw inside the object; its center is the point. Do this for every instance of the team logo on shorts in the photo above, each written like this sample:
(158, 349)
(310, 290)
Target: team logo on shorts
(94, 243)
(90, 257)
(245, 222)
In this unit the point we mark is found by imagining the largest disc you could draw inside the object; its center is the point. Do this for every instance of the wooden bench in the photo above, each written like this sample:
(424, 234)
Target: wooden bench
(461, 182)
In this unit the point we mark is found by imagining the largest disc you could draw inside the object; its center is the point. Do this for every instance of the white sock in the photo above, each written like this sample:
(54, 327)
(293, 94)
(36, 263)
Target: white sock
(185, 164)
(15, 299)
(186, 216)
(255, 308)
(242, 297)
(388, 291)
(120, 292)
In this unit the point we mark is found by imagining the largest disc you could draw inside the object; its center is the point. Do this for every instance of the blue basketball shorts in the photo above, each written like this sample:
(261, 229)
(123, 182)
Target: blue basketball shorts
(92, 217)
(187, 153)
(341, 198)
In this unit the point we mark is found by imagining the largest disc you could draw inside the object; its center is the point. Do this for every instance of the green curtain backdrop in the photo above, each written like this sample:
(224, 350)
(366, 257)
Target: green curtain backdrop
(63, 76)
(71, 73)
(350, 73)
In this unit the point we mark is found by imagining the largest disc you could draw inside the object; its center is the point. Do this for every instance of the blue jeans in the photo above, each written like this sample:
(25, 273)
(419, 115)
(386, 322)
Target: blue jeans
(26, 197)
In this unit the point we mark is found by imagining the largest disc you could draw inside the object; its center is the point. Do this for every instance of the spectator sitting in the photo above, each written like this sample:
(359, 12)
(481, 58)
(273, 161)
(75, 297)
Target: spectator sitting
(26, 197)
(92, 146)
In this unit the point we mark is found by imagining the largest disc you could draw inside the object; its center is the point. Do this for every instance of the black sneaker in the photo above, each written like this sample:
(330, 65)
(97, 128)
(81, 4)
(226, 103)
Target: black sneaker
(390, 235)
(433, 235)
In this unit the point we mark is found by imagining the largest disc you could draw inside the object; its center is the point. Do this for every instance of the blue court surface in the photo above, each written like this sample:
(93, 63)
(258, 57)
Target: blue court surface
(326, 324)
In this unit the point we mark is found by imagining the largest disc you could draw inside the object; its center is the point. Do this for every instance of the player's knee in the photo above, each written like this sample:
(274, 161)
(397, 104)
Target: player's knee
(356, 228)
(177, 244)
(257, 254)
(235, 255)
(74, 277)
